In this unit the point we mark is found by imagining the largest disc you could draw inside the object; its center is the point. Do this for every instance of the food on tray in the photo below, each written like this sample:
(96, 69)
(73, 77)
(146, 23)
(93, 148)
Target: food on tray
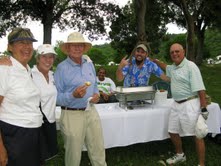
(88, 83)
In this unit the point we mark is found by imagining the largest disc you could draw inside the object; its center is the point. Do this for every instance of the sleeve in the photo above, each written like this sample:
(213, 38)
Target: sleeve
(157, 70)
(113, 86)
(94, 72)
(63, 99)
(168, 71)
(196, 80)
(4, 79)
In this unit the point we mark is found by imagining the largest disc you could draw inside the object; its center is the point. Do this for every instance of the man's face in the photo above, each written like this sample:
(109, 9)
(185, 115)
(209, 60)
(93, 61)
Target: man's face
(101, 74)
(75, 50)
(177, 53)
(140, 55)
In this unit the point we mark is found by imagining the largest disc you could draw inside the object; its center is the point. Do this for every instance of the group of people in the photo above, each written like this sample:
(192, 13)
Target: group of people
(28, 98)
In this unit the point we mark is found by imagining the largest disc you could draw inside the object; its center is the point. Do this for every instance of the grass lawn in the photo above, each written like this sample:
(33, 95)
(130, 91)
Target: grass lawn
(148, 154)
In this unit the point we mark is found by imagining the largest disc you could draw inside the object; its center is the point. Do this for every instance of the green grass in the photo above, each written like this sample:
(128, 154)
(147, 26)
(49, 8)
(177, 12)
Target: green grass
(148, 154)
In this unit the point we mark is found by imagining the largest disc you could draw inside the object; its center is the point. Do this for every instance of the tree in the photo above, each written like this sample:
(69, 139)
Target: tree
(195, 16)
(124, 29)
(88, 16)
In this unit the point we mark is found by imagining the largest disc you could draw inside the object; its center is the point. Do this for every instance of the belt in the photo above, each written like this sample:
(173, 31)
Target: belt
(190, 98)
(73, 109)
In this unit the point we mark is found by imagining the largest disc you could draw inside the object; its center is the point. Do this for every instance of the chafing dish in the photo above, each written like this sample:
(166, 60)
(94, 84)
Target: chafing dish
(129, 95)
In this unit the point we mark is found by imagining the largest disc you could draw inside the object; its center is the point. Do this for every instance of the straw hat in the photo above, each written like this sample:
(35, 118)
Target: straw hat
(76, 38)
(45, 49)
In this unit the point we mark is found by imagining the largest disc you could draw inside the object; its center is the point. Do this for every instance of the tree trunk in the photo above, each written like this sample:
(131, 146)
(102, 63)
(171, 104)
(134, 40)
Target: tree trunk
(200, 46)
(190, 42)
(141, 12)
(47, 33)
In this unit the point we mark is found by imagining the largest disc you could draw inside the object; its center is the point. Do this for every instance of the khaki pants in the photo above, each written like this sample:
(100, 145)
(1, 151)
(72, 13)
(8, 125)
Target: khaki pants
(79, 128)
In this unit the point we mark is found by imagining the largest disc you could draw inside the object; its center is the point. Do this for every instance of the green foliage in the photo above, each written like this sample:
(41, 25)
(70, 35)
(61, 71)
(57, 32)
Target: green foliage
(213, 42)
(97, 56)
(168, 41)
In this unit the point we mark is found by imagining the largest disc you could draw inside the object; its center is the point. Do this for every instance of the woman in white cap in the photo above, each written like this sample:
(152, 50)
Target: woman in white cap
(44, 79)
(20, 118)
(76, 84)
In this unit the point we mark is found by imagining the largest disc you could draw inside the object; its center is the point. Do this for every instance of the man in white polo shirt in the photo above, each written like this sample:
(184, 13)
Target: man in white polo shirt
(188, 91)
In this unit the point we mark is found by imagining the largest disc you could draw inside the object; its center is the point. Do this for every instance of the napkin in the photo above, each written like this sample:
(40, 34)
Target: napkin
(89, 104)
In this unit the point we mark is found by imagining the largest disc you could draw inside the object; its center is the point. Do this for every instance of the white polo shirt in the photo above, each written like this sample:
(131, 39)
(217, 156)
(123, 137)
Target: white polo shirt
(186, 80)
(48, 93)
(20, 106)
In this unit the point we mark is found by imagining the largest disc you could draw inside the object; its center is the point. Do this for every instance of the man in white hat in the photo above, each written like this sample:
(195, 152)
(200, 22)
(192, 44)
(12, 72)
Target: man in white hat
(80, 124)
(137, 71)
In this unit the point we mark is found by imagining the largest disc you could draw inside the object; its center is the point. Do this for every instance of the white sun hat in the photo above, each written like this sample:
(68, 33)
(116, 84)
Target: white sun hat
(75, 38)
(45, 49)
(201, 129)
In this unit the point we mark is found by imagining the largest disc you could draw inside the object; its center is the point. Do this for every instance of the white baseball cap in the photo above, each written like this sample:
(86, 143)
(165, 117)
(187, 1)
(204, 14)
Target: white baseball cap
(45, 49)
(201, 129)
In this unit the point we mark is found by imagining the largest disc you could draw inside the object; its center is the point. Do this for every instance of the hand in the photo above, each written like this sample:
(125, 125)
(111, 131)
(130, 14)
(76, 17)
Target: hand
(3, 156)
(80, 91)
(95, 98)
(123, 62)
(5, 60)
(204, 113)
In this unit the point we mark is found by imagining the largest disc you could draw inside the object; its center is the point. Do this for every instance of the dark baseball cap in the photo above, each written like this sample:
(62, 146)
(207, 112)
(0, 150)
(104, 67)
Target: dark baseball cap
(19, 34)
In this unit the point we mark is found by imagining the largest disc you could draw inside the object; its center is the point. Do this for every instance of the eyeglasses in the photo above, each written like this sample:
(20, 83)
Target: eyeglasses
(175, 51)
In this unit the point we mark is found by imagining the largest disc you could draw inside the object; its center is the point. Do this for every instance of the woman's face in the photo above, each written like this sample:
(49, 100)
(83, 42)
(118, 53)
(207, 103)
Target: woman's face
(46, 61)
(22, 51)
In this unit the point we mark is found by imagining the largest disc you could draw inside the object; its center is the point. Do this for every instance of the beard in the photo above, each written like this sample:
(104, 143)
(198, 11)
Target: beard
(138, 62)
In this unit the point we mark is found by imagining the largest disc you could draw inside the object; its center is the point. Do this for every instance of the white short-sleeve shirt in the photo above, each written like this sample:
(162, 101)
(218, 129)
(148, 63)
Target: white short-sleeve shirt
(20, 105)
(48, 93)
(186, 79)
(107, 85)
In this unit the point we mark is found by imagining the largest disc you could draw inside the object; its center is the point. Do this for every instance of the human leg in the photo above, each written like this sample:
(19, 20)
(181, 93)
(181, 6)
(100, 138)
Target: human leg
(73, 131)
(94, 139)
(200, 149)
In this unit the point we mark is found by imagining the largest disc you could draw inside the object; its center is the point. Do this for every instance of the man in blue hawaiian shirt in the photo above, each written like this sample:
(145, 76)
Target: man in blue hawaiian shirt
(137, 71)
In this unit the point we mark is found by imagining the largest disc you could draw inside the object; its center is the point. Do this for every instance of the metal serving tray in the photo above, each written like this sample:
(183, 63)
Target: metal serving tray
(125, 95)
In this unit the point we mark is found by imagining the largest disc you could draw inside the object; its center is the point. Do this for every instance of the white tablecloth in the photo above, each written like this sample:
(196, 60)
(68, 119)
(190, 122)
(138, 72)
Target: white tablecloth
(143, 124)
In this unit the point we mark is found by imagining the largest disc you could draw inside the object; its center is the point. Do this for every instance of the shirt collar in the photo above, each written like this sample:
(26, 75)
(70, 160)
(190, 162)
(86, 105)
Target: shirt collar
(184, 61)
(19, 65)
(69, 60)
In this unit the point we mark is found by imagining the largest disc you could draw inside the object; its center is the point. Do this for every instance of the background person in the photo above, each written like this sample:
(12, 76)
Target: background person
(20, 118)
(79, 124)
(44, 79)
(106, 87)
(137, 72)
(188, 91)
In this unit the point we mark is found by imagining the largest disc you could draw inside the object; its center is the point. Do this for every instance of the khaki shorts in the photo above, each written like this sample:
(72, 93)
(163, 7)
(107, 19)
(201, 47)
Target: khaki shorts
(183, 117)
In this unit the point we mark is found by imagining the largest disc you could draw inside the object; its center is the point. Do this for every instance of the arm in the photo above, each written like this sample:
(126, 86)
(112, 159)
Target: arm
(202, 96)
(3, 152)
(160, 64)
(119, 73)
